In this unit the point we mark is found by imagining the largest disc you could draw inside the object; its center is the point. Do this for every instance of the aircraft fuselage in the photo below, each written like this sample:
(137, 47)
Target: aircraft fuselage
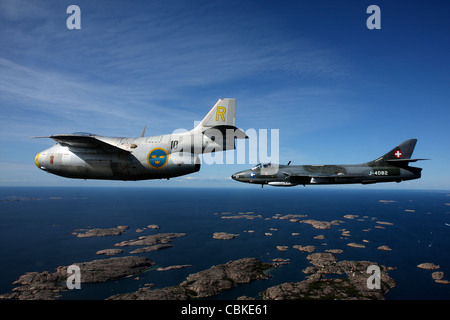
(391, 167)
(89, 156)
(134, 159)
(284, 175)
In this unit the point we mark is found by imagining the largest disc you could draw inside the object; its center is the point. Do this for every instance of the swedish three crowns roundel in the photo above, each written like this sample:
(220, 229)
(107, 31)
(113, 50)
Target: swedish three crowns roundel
(157, 158)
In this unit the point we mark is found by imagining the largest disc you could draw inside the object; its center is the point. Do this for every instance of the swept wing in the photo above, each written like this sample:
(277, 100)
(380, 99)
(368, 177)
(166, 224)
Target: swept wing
(83, 141)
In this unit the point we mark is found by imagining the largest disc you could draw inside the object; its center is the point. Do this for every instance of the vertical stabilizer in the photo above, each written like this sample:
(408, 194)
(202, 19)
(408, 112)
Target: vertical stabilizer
(217, 130)
(222, 114)
(402, 152)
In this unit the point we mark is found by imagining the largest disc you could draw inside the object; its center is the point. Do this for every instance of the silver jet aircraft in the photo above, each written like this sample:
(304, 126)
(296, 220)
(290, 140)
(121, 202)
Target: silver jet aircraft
(90, 156)
(393, 166)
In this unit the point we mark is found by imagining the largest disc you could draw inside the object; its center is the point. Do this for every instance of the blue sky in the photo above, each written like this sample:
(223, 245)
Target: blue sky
(338, 92)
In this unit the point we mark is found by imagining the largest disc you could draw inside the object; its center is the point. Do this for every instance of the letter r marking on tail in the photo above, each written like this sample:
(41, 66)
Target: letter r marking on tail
(220, 111)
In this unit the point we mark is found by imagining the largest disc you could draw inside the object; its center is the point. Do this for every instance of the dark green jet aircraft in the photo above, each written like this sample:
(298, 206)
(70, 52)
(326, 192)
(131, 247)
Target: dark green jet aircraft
(393, 166)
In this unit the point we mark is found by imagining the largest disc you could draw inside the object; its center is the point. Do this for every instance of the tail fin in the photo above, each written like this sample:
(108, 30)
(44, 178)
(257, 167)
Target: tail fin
(218, 127)
(221, 117)
(400, 154)
(222, 114)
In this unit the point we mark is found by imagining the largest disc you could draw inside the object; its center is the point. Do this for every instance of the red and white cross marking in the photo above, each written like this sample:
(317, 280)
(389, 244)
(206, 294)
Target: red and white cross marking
(398, 154)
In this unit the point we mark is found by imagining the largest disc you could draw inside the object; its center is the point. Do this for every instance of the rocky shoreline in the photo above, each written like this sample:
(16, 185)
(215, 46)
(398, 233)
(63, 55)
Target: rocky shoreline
(205, 283)
(348, 281)
(326, 279)
(48, 285)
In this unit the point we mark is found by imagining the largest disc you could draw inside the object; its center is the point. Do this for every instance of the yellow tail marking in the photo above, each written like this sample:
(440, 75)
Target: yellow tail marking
(220, 111)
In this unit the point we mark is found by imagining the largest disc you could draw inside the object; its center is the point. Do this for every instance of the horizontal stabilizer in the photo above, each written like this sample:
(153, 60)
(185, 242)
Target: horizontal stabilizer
(225, 129)
(403, 163)
(394, 161)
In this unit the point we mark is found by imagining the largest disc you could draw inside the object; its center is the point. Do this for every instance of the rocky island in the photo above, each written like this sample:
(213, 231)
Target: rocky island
(47, 285)
(205, 283)
(355, 245)
(301, 248)
(154, 239)
(321, 224)
(243, 216)
(438, 275)
(348, 281)
(428, 266)
(224, 235)
(109, 252)
(97, 232)
(151, 243)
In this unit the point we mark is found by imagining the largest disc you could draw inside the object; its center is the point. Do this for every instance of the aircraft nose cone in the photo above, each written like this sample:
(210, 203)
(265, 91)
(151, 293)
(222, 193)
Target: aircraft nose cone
(242, 176)
(40, 161)
(239, 176)
(36, 160)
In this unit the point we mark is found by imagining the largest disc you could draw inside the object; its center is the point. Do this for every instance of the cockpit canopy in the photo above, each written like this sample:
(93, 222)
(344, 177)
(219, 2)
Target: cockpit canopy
(263, 165)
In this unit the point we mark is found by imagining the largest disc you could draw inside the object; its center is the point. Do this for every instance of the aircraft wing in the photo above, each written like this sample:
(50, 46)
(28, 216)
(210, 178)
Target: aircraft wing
(83, 141)
(323, 175)
(293, 177)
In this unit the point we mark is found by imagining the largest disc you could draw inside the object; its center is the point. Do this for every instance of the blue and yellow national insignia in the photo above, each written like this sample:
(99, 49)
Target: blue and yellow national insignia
(157, 158)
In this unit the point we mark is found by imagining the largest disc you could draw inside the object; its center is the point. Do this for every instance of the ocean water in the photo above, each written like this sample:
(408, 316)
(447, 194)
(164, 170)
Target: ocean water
(36, 226)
